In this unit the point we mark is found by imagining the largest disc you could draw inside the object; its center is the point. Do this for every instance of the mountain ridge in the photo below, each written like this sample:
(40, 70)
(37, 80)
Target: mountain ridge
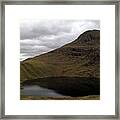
(80, 58)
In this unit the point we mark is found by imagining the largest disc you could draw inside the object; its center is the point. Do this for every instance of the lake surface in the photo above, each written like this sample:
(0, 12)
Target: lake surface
(61, 86)
(35, 90)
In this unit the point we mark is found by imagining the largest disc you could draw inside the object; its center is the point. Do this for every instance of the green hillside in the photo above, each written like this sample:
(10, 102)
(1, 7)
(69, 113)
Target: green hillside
(72, 70)
(80, 58)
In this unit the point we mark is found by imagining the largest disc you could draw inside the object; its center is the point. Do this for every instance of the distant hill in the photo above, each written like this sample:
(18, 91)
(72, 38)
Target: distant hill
(80, 58)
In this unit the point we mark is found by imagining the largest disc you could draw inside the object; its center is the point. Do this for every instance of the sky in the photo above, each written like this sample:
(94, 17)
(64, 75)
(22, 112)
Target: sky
(41, 36)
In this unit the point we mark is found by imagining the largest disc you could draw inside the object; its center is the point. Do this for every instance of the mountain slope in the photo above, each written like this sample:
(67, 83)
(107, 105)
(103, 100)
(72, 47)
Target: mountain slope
(80, 58)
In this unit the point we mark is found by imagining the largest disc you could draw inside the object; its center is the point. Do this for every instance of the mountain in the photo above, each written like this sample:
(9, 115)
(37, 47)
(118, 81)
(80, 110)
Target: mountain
(80, 58)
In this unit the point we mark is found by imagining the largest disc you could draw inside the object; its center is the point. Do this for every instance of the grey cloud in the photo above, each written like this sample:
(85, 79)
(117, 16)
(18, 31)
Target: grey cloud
(43, 28)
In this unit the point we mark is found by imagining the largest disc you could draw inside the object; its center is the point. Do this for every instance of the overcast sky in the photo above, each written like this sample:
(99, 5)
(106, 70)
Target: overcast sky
(40, 36)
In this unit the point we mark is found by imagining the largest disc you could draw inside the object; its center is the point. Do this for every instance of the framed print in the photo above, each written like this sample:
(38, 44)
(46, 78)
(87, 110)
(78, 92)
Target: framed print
(59, 60)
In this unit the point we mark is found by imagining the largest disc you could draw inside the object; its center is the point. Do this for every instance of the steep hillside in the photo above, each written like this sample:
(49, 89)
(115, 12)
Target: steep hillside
(80, 58)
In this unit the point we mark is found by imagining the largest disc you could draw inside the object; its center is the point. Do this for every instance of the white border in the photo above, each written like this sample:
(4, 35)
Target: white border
(104, 106)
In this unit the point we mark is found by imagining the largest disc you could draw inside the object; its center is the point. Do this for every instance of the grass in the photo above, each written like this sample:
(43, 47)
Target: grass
(90, 97)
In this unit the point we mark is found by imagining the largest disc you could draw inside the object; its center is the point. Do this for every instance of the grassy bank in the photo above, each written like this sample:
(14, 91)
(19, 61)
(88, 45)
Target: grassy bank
(91, 97)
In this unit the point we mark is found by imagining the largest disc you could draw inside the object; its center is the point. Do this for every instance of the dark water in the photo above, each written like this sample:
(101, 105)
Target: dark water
(35, 90)
(61, 86)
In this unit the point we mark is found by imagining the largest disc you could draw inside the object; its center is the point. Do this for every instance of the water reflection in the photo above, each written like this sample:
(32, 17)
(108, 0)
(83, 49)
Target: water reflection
(35, 90)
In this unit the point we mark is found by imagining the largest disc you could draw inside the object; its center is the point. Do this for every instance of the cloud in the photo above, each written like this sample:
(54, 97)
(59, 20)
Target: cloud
(40, 36)
(33, 29)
